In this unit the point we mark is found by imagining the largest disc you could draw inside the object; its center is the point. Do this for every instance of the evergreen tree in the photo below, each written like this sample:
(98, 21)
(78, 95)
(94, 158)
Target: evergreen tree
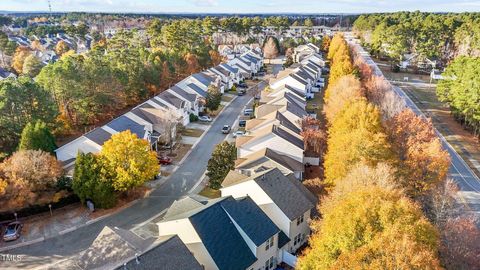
(37, 137)
(214, 98)
(221, 162)
(90, 183)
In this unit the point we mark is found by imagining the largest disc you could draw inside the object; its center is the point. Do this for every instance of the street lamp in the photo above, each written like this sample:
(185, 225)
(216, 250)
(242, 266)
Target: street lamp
(50, 206)
(15, 214)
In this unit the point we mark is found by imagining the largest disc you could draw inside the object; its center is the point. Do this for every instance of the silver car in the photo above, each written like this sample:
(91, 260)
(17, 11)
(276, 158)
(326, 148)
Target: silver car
(12, 232)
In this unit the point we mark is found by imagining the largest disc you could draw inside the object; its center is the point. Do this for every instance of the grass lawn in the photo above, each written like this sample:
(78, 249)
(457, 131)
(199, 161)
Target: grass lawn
(210, 193)
(316, 103)
(192, 132)
(227, 98)
(217, 111)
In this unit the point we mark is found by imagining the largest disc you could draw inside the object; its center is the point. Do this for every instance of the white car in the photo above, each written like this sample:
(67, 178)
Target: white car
(205, 118)
(238, 133)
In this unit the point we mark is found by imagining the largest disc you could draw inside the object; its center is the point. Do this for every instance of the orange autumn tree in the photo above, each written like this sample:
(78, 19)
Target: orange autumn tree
(424, 163)
(192, 63)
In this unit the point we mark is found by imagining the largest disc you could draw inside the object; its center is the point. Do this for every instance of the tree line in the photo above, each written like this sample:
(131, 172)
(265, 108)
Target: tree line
(430, 35)
(385, 176)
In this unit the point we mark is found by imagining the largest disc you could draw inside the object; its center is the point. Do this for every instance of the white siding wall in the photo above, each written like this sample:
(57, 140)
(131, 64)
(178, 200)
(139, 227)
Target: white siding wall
(71, 149)
(302, 228)
(184, 229)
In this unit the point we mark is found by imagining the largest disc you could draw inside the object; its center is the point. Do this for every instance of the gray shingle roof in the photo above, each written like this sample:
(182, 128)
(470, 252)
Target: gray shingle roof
(298, 78)
(296, 110)
(253, 221)
(288, 162)
(197, 89)
(284, 193)
(287, 123)
(183, 93)
(230, 68)
(172, 99)
(279, 131)
(98, 135)
(123, 123)
(221, 239)
(202, 78)
(295, 90)
(169, 255)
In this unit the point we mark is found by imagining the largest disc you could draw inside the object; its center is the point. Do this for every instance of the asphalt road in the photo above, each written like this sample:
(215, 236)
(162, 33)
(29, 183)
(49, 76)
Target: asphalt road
(179, 184)
(460, 172)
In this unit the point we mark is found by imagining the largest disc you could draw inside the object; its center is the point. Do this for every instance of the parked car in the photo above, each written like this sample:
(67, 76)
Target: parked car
(226, 129)
(241, 92)
(242, 123)
(238, 133)
(242, 85)
(12, 232)
(205, 118)
(164, 160)
(248, 112)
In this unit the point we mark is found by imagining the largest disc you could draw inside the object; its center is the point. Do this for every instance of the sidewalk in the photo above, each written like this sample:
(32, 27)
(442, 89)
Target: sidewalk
(66, 219)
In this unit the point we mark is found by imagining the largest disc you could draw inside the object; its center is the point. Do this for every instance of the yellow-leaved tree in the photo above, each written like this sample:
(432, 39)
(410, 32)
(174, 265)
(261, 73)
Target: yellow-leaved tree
(356, 135)
(346, 89)
(369, 220)
(129, 159)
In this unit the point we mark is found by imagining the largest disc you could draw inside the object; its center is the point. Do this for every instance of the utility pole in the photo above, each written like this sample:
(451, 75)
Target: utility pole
(50, 7)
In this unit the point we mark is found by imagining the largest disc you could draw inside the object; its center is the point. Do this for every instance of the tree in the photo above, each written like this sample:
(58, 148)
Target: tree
(221, 162)
(215, 57)
(61, 48)
(345, 90)
(37, 136)
(32, 66)
(357, 220)
(21, 53)
(390, 250)
(308, 22)
(356, 134)
(271, 47)
(192, 63)
(90, 183)
(461, 92)
(314, 138)
(22, 101)
(424, 162)
(39, 169)
(129, 160)
(460, 247)
(214, 98)
(326, 43)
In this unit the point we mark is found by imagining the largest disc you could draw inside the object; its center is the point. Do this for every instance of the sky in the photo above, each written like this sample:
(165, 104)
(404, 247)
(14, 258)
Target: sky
(242, 6)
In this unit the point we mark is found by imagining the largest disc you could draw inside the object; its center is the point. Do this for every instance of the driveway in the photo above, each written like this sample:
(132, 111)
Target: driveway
(178, 185)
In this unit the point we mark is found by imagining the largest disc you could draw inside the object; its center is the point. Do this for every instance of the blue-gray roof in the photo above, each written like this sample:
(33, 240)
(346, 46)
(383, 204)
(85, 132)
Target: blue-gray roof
(230, 68)
(123, 123)
(197, 89)
(169, 255)
(98, 135)
(202, 78)
(221, 239)
(253, 221)
(288, 137)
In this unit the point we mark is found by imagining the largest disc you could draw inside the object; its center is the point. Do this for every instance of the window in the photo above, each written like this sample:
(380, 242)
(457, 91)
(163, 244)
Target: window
(269, 263)
(296, 240)
(300, 220)
(269, 243)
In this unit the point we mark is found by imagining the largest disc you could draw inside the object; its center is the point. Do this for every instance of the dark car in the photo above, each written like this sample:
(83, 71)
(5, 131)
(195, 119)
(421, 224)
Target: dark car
(12, 232)
(242, 85)
(165, 160)
(242, 123)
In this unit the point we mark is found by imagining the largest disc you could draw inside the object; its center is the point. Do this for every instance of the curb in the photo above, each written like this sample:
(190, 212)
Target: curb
(26, 243)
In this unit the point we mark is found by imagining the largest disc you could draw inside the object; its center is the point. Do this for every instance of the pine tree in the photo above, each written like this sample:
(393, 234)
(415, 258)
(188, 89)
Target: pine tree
(37, 137)
(221, 162)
